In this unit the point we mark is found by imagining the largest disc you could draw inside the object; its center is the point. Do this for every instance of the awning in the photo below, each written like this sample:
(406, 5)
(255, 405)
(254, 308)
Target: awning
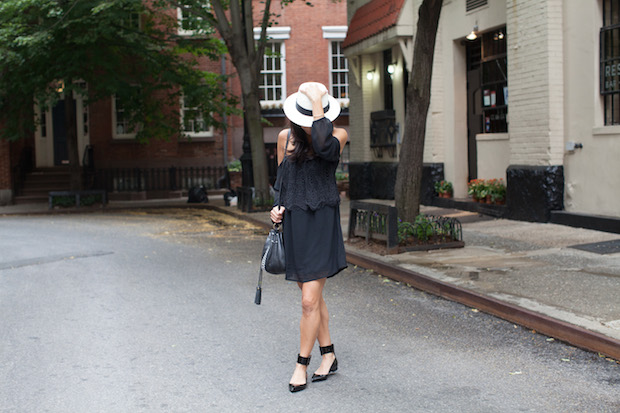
(372, 19)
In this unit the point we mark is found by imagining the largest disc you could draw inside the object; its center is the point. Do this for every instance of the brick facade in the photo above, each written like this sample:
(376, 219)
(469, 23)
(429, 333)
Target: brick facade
(307, 59)
(535, 76)
(306, 50)
(177, 151)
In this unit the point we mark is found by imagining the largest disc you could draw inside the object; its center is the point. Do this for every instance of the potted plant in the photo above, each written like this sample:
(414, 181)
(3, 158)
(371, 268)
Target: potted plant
(477, 189)
(497, 190)
(444, 189)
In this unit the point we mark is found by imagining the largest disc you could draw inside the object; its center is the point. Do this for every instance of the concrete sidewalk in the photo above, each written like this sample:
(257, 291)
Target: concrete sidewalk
(528, 273)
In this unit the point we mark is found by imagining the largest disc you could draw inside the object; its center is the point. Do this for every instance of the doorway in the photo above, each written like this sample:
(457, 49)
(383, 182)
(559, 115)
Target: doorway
(474, 105)
(61, 154)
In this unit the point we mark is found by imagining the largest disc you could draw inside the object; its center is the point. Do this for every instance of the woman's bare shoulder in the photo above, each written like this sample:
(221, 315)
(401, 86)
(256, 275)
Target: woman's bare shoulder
(282, 136)
(341, 134)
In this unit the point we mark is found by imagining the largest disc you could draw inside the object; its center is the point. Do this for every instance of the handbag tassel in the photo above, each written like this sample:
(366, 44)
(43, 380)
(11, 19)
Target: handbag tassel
(259, 288)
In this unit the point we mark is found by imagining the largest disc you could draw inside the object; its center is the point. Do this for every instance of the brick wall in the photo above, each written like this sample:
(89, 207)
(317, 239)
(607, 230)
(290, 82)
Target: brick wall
(535, 79)
(110, 152)
(434, 147)
(307, 52)
(5, 165)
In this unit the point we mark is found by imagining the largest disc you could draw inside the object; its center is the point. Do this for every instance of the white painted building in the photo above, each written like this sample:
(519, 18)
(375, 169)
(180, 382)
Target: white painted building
(534, 99)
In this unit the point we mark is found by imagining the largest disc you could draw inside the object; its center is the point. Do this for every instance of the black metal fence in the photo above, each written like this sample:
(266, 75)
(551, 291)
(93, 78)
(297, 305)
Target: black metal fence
(376, 221)
(160, 179)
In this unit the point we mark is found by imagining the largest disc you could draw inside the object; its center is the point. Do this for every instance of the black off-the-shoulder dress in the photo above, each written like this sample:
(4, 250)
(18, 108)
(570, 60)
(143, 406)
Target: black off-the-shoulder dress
(312, 232)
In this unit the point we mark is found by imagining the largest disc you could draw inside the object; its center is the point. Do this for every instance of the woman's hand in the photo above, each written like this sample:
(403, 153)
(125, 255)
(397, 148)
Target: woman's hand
(277, 213)
(313, 90)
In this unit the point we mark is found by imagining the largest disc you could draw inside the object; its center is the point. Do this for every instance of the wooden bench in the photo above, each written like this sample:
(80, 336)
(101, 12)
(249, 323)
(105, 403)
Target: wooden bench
(77, 195)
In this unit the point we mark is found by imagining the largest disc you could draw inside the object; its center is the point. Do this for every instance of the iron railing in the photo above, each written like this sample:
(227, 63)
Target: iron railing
(160, 179)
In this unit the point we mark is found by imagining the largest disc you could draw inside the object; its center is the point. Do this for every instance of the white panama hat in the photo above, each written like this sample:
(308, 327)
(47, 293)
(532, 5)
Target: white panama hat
(298, 108)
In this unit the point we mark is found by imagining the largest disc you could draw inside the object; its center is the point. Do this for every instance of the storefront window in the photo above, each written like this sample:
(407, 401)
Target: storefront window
(610, 61)
(494, 82)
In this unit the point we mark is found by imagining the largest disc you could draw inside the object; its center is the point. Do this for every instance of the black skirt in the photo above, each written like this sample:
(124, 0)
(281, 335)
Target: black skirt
(313, 244)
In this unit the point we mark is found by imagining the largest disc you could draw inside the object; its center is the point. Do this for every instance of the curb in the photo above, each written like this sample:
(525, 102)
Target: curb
(577, 336)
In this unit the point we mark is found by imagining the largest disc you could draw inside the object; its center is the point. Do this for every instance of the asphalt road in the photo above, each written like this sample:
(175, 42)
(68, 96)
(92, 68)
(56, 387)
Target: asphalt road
(152, 311)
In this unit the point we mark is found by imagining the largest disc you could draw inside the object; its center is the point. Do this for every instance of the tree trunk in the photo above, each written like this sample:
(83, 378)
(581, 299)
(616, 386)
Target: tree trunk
(409, 175)
(259, 157)
(239, 39)
(72, 140)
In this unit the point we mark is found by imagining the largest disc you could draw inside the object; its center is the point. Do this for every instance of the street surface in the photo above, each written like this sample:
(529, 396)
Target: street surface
(152, 311)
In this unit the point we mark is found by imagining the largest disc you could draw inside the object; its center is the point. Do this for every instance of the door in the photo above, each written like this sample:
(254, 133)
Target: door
(474, 103)
(474, 120)
(61, 154)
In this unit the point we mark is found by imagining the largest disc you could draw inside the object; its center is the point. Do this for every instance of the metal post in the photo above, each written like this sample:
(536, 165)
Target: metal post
(247, 174)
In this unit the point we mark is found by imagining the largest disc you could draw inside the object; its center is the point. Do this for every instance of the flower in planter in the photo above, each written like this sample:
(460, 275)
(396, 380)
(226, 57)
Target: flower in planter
(477, 189)
(342, 176)
(497, 190)
(443, 188)
(491, 190)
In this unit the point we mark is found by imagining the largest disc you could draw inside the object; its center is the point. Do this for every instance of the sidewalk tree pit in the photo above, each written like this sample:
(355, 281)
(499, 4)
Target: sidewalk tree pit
(383, 231)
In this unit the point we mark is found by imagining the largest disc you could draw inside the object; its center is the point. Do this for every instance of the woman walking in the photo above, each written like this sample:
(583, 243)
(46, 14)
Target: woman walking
(308, 204)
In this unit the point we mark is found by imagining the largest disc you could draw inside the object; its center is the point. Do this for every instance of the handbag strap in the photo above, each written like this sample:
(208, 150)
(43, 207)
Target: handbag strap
(288, 136)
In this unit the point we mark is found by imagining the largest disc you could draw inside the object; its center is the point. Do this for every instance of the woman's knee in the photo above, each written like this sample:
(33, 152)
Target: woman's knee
(310, 303)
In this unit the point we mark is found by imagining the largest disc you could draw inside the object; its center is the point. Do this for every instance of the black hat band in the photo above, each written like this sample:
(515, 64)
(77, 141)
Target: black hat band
(309, 112)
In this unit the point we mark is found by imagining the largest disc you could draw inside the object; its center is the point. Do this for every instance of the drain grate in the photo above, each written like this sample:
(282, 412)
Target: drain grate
(606, 247)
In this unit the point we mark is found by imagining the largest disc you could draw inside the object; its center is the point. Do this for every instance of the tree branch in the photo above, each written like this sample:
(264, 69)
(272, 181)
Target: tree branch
(257, 62)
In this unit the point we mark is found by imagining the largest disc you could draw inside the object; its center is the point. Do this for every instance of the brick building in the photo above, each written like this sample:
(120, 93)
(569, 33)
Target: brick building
(306, 45)
(526, 91)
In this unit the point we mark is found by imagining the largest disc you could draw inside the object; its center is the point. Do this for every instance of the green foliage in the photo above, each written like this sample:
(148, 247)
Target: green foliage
(342, 176)
(69, 201)
(426, 228)
(234, 166)
(481, 188)
(122, 48)
(443, 187)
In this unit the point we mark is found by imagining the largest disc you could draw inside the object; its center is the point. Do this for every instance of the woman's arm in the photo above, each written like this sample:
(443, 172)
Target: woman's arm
(281, 144)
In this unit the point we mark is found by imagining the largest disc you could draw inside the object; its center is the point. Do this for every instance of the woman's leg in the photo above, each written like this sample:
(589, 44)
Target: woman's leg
(324, 340)
(311, 297)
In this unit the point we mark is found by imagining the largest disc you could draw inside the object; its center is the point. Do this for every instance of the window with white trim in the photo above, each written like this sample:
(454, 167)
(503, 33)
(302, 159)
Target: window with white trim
(132, 21)
(193, 121)
(272, 83)
(272, 74)
(122, 127)
(339, 69)
(338, 64)
(190, 25)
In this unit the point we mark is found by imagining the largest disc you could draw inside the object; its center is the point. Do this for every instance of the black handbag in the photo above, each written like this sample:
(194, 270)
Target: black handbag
(273, 260)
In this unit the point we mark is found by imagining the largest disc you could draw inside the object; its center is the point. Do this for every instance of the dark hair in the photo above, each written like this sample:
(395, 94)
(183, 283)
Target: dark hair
(302, 148)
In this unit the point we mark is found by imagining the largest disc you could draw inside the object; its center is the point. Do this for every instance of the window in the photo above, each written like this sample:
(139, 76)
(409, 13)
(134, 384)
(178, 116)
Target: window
(193, 122)
(131, 21)
(123, 128)
(494, 82)
(272, 74)
(338, 64)
(610, 61)
(84, 87)
(43, 123)
(339, 69)
(190, 24)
